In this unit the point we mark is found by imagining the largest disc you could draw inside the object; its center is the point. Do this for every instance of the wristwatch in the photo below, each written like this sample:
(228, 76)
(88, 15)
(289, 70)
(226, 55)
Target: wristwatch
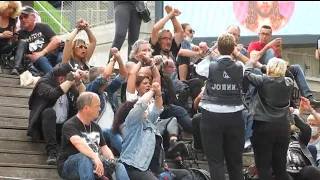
(208, 51)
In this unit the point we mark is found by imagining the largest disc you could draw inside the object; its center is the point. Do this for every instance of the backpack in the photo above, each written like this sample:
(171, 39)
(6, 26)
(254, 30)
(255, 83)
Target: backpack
(199, 174)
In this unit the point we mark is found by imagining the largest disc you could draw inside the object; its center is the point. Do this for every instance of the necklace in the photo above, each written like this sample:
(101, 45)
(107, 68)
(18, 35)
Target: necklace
(86, 128)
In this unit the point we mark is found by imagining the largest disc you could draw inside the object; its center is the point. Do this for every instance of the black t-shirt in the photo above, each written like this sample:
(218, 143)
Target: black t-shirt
(92, 135)
(76, 65)
(174, 48)
(295, 158)
(10, 27)
(38, 38)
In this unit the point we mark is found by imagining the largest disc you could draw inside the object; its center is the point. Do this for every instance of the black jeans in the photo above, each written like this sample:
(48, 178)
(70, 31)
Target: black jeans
(196, 131)
(19, 48)
(223, 138)
(307, 173)
(136, 174)
(127, 20)
(51, 130)
(270, 143)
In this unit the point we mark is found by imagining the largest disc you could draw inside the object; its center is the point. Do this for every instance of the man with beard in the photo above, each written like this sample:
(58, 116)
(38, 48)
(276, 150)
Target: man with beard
(264, 12)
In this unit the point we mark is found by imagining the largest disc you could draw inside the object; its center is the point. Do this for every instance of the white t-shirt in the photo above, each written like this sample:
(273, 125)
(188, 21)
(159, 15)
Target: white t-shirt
(61, 107)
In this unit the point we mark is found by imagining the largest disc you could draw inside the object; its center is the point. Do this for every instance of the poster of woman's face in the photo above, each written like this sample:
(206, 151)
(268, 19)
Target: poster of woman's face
(254, 14)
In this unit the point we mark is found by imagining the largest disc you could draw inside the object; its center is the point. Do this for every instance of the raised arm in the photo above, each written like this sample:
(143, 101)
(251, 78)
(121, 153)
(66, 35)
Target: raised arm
(67, 50)
(92, 42)
(116, 55)
(131, 85)
(158, 26)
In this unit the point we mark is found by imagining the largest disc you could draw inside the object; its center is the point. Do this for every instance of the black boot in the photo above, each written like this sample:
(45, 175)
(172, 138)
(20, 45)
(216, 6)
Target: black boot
(15, 72)
(314, 103)
(176, 147)
(52, 159)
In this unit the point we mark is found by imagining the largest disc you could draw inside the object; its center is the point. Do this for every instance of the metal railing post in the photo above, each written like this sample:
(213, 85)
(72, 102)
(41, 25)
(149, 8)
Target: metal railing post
(73, 16)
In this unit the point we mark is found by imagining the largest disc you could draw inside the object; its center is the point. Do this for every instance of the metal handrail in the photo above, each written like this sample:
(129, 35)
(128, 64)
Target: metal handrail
(51, 16)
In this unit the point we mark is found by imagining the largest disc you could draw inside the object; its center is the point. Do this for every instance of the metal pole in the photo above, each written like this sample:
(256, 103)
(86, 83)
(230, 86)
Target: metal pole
(73, 14)
(158, 10)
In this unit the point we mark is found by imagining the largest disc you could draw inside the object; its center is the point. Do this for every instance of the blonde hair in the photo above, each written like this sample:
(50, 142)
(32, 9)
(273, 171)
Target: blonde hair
(136, 46)
(76, 43)
(276, 67)
(226, 43)
(17, 5)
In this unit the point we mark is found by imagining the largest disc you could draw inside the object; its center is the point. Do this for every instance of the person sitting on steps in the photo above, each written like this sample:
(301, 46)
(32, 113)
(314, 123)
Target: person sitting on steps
(51, 103)
(9, 11)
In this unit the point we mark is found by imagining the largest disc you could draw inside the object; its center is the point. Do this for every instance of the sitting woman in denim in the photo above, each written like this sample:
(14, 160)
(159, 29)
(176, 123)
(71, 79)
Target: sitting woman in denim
(142, 150)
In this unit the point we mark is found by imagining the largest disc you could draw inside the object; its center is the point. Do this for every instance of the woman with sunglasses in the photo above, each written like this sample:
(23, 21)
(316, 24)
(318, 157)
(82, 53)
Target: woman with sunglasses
(77, 52)
(9, 10)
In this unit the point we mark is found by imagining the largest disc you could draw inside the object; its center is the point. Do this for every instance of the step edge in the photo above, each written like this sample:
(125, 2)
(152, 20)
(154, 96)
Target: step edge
(13, 116)
(35, 166)
(14, 105)
(15, 86)
(13, 127)
(10, 76)
(22, 152)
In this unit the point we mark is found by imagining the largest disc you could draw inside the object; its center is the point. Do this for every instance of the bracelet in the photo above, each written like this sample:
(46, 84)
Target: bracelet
(158, 95)
(152, 65)
(208, 51)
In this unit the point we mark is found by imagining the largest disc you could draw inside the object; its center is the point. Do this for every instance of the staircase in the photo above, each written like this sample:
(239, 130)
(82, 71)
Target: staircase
(19, 157)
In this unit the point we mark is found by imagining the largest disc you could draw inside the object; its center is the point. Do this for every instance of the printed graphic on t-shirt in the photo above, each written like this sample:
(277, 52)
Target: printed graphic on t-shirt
(36, 42)
(93, 140)
(295, 161)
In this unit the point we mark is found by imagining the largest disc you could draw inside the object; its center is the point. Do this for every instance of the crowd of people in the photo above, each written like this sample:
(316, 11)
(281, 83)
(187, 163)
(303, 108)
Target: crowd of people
(239, 96)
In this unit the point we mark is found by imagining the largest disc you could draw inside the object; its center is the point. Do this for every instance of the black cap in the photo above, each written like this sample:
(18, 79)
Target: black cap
(62, 69)
(27, 10)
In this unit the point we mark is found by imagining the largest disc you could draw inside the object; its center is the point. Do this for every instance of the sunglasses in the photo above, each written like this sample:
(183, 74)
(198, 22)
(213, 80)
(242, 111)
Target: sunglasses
(82, 46)
(25, 16)
(191, 31)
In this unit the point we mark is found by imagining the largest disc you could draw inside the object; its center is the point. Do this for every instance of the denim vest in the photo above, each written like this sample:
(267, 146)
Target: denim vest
(139, 137)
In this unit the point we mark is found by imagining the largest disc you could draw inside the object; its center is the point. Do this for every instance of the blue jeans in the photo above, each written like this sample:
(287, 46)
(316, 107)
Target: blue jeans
(267, 56)
(313, 151)
(180, 113)
(45, 63)
(300, 79)
(247, 124)
(79, 166)
(115, 139)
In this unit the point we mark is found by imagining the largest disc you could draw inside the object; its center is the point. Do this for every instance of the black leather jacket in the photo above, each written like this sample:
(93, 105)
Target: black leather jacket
(271, 97)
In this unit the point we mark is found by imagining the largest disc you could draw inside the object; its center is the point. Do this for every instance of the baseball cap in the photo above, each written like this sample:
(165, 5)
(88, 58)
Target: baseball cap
(62, 69)
(27, 10)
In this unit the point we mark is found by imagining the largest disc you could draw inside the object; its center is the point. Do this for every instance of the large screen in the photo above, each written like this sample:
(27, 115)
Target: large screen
(211, 18)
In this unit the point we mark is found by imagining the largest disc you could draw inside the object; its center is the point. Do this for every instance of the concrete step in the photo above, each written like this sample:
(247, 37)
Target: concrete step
(28, 171)
(21, 144)
(10, 99)
(15, 90)
(9, 79)
(13, 133)
(22, 157)
(14, 109)
(14, 123)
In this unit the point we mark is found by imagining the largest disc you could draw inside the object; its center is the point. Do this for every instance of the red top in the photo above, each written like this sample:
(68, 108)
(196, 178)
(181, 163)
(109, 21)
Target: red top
(257, 46)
